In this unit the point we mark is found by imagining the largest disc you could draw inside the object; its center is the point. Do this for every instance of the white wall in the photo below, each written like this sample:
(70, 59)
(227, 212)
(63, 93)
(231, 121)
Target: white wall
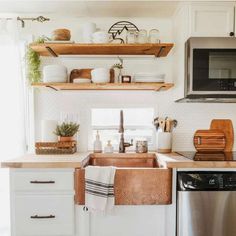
(49, 104)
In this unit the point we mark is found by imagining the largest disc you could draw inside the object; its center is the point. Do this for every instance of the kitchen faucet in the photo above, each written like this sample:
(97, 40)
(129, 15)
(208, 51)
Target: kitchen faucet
(123, 144)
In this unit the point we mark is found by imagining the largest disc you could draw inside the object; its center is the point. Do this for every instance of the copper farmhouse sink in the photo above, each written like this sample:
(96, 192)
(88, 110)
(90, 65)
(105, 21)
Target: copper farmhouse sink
(139, 180)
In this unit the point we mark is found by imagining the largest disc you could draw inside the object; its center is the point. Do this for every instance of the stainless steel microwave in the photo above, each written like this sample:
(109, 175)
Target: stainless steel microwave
(210, 69)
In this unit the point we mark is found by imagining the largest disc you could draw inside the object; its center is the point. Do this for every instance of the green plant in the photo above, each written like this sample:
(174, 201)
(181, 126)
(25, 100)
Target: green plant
(33, 62)
(67, 129)
(118, 65)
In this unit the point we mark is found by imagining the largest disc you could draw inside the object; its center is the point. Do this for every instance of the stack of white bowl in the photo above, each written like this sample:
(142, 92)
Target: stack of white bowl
(55, 74)
(149, 77)
(100, 75)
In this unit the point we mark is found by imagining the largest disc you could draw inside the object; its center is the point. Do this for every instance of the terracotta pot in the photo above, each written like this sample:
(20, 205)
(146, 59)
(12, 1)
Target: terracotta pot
(65, 139)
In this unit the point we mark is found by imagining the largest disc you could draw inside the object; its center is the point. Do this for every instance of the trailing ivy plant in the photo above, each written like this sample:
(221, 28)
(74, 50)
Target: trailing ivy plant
(33, 62)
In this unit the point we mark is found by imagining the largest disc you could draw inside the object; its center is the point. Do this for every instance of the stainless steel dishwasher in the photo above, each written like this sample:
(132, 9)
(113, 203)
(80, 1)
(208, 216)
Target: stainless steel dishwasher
(206, 203)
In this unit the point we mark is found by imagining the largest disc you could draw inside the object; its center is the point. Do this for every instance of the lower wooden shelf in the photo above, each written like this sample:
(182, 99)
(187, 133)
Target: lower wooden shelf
(106, 86)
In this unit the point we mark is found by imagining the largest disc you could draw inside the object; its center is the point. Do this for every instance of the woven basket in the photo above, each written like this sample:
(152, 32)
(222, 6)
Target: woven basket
(47, 148)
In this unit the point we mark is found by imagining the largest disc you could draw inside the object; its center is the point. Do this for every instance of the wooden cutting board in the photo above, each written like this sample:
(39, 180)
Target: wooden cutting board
(226, 126)
(209, 140)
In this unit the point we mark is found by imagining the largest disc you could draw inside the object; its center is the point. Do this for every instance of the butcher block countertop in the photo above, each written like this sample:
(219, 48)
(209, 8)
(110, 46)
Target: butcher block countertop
(77, 160)
(174, 160)
(47, 161)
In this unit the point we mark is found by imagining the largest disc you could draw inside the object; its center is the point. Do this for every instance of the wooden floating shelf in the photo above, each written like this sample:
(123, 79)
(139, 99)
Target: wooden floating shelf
(107, 86)
(57, 49)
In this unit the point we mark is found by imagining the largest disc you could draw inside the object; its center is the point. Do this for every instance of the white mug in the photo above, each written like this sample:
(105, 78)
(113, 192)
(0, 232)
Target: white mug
(164, 142)
(100, 75)
(100, 37)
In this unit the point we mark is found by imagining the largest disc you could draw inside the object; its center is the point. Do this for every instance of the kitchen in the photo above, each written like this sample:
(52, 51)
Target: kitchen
(176, 22)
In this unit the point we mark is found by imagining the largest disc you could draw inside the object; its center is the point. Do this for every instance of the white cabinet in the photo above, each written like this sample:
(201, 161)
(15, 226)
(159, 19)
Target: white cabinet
(214, 20)
(42, 202)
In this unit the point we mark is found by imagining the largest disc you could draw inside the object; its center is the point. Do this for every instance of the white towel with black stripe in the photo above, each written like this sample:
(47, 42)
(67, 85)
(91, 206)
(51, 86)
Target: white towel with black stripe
(99, 188)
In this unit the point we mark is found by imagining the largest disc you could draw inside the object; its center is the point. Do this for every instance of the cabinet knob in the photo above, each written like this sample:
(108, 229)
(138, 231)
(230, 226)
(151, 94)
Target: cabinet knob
(231, 34)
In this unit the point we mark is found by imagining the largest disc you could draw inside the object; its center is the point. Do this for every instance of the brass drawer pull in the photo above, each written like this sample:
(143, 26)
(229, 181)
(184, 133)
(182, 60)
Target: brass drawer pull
(42, 182)
(42, 217)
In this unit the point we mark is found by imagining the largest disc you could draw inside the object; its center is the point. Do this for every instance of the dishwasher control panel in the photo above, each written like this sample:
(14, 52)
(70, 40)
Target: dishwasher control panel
(206, 181)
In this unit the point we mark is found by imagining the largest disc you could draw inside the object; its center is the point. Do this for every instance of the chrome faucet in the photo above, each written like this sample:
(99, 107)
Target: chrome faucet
(123, 144)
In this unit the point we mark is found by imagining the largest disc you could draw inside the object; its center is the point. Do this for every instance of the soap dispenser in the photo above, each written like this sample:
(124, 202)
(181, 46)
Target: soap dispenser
(109, 148)
(97, 145)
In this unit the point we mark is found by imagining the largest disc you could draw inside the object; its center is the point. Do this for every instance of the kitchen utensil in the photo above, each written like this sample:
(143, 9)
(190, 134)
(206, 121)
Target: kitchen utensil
(226, 126)
(100, 75)
(153, 36)
(164, 142)
(61, 34)
(86, 74)
(141, 146)
(209, 140)
(162, 124)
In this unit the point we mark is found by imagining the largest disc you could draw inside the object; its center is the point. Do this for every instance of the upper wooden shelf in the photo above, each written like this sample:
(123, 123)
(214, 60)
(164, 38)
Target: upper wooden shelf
(51, 49)
(107, 86)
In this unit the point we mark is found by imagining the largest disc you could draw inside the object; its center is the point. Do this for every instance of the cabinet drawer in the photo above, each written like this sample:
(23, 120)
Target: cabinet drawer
(36, 180)
(44, 215)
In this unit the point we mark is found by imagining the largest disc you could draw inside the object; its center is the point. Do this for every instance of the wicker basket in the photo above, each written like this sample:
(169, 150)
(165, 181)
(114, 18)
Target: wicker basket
(47, 148)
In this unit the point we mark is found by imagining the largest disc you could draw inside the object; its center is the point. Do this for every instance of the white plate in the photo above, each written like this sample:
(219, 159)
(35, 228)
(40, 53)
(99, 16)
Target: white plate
(81, 81)
(59, 41)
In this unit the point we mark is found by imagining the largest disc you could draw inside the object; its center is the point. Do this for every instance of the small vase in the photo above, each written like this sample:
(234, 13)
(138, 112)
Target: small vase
(65, 139)
(119, 79)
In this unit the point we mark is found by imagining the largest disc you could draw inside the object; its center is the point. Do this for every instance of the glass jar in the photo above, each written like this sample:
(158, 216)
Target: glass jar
(131, 36)
(142, 36)
(154, 36)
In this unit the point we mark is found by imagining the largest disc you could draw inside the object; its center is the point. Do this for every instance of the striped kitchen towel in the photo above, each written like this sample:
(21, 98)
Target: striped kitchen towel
(99, 188)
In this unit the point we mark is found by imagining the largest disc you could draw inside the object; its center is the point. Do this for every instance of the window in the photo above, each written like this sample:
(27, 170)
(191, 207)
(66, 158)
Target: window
(137, 124)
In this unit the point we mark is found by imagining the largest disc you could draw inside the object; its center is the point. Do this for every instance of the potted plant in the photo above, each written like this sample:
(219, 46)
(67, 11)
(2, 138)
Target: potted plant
(66, 131)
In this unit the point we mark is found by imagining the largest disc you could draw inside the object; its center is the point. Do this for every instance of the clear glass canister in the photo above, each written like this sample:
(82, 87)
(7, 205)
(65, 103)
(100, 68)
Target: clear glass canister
(142, 36)
(131, 36)
(154, 36)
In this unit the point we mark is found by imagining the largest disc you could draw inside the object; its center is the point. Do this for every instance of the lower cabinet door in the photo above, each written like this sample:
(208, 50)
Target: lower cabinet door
(43, 215)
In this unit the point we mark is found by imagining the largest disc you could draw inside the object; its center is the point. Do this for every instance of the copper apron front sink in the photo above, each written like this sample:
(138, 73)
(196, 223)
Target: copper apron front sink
(138, 180)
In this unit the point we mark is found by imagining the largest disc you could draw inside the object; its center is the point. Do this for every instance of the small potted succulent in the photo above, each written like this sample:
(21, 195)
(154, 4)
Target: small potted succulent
(66, 131)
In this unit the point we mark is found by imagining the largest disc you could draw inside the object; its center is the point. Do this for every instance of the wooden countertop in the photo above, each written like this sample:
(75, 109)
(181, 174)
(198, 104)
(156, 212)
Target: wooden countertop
(47, 161)
(77, 160)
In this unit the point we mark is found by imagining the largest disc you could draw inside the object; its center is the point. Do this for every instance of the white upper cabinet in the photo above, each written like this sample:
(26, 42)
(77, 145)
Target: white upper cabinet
(216, 20)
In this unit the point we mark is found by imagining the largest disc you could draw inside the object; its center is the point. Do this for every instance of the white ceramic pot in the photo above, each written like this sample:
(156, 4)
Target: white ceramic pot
(54, 73)
(88, 29)
(100, 75)
(164, 142)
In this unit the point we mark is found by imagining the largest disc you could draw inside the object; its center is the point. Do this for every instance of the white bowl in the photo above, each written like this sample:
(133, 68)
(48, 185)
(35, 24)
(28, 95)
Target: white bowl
(55, 79)
(54, 73)
(54, 69)
(100, 75)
